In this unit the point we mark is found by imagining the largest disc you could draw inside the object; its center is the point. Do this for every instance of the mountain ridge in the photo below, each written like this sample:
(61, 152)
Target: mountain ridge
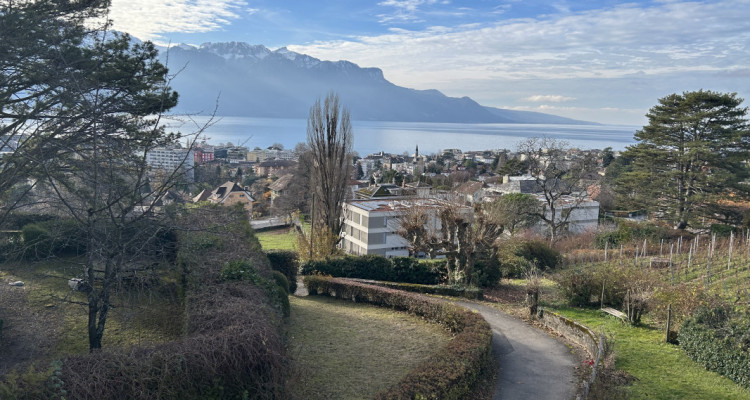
(248, 80)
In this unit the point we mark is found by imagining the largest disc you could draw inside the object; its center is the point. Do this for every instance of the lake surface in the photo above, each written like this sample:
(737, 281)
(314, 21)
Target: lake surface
(398, 137)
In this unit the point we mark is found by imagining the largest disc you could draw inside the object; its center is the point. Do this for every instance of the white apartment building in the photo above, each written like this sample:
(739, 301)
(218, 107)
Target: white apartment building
(371, 226)
(170, 159)
(584, 213)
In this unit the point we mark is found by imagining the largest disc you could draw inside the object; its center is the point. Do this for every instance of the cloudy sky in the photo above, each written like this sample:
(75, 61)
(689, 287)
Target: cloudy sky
(598, 60)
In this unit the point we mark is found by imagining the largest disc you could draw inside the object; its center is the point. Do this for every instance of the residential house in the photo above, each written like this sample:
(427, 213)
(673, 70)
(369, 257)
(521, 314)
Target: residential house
(471, 192)
(228, 194)
(273, 167)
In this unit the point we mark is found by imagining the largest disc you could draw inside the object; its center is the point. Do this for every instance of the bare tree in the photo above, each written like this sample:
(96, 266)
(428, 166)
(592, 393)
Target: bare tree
(418, 225)
(514, 211)
(329, 136)
(559, 179)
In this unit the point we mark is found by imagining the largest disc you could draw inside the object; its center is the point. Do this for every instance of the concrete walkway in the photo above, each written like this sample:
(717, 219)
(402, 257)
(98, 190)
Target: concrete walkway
(533, 364)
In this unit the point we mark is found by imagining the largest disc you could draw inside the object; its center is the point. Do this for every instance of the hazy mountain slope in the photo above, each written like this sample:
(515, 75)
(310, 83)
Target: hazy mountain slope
(253, 81)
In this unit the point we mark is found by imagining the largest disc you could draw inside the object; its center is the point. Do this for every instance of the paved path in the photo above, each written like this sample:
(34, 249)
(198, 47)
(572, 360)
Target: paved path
(533, 364)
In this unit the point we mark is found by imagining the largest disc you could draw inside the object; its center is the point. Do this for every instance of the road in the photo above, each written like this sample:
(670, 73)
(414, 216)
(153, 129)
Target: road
(533, 364)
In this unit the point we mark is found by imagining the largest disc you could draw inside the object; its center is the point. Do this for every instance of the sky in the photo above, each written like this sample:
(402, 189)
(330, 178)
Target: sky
(605, 61)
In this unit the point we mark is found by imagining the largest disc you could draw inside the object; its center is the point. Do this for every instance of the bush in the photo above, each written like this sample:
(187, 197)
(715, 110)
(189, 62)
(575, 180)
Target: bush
(628, 231)
(454, 370)
(286, 262)
(487, 272)
(719, 339)
(280, 280)
(51, 238)
(517, 256)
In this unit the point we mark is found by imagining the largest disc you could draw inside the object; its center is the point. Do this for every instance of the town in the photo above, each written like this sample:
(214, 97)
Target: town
(140, 258)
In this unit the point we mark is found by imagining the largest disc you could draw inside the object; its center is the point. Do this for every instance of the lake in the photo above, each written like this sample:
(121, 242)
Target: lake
(398, 137)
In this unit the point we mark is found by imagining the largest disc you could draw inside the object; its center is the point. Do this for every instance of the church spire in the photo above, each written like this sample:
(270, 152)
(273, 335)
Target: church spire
(416, 153)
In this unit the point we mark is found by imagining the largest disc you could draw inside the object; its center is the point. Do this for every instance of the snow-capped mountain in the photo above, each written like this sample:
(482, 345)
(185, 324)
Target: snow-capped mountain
(254, 81)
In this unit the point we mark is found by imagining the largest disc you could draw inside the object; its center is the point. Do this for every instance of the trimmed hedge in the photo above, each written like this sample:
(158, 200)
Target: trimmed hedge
(707, 338)
(442, 290)
(398, 269)
(286, 262)
(453, 371)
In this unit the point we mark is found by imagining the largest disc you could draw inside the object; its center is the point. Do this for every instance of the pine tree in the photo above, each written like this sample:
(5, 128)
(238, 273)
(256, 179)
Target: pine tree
(692, 153)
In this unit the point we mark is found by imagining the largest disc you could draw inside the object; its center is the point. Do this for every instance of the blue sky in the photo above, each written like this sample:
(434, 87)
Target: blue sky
(604, 61)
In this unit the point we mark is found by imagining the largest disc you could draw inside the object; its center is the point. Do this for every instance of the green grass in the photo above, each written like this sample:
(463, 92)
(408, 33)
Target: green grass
(346, 350)
(662, 371)
(138, 316)
(278, 239)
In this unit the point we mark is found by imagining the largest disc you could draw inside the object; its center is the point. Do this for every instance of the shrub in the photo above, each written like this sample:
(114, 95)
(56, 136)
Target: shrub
(51, 238)
(517, 256)
(280, 280)
(286, 262)
(487, 272)
(627, 231)
(454, 370)
(540, 254)
(719, 339)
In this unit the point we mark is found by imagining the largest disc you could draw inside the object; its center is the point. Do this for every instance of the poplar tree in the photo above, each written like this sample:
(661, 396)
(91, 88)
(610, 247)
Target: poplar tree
(692, 155)
(330, 137)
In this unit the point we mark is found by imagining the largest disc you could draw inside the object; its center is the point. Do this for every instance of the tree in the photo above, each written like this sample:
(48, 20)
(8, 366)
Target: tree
(39, 58)
(329, 136)
(514, 211)
(607, 157)
(690, 156)
(86, 112)
(559, 179)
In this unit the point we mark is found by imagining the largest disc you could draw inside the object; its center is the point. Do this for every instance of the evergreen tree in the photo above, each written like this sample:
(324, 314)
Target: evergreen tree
(692, 153)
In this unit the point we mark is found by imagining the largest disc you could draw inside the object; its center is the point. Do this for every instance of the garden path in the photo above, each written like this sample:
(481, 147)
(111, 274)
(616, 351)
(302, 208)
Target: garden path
(532, 363)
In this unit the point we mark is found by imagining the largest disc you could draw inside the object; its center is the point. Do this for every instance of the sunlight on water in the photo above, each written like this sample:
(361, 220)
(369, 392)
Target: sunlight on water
(398, 137)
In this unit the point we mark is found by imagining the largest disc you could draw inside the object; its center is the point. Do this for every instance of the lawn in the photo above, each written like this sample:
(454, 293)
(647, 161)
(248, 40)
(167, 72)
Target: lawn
(278, 239)
(346, 350)
(44, 318)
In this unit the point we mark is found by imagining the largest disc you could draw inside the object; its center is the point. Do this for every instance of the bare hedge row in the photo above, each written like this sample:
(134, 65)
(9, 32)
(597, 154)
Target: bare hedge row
(453, 371)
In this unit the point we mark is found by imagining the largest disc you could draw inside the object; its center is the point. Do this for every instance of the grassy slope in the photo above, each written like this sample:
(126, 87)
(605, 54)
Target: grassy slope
(348, 350)
(279, 239)
(663, 371)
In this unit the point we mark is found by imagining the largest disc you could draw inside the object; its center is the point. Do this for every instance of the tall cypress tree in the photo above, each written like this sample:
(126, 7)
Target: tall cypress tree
(692, 154)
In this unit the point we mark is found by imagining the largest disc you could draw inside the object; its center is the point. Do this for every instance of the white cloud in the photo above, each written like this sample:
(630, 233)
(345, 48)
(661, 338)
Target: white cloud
(620, 57)
(552, 98)
(609, 43)
(148, 19)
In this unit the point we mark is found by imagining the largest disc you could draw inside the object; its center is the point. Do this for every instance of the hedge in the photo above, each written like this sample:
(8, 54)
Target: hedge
(287, 263)
(700, 338)
(453, 371)
(398, 269)
(442, 290)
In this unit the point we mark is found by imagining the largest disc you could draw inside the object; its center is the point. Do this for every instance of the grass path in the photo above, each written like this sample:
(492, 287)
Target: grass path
(346, 350)
(278, 239)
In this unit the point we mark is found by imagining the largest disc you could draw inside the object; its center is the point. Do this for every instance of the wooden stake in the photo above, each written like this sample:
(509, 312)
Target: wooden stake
(669, 322)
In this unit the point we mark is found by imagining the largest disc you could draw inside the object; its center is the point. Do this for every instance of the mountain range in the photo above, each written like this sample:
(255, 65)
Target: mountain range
(239, 79)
